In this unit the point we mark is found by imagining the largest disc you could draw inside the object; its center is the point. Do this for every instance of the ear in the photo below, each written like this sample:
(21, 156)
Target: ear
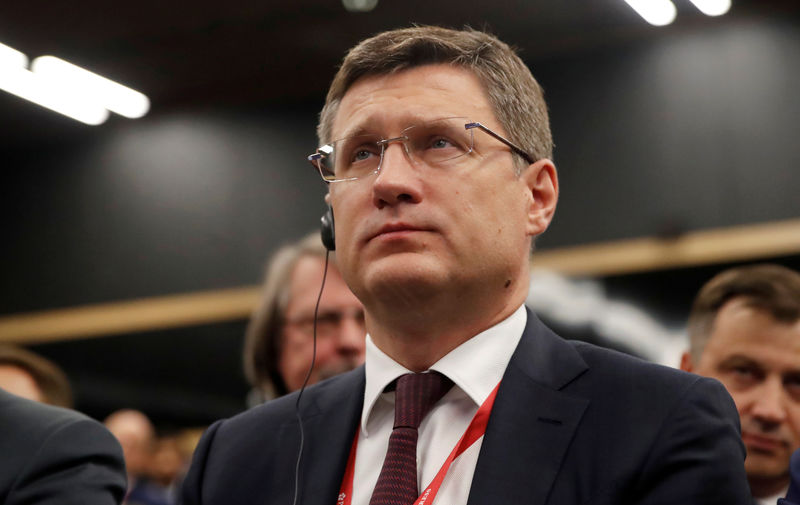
(686, 362)
(541, 183)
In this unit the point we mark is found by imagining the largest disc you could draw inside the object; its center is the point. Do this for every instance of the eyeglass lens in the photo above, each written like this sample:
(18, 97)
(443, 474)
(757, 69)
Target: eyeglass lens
(433, 144)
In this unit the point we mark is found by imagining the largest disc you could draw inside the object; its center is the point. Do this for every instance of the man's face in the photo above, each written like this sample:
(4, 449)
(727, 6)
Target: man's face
(340, 325)
(758, 361)
(413, 230)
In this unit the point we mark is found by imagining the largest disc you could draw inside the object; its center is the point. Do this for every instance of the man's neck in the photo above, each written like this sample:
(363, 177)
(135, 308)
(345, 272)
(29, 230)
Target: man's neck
(767, 487)
(418, 343)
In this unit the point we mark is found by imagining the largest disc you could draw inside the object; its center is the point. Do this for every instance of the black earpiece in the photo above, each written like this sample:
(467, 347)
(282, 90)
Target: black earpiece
(327, 230)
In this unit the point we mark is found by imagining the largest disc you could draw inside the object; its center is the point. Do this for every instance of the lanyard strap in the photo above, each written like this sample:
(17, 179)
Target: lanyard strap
(475, 430)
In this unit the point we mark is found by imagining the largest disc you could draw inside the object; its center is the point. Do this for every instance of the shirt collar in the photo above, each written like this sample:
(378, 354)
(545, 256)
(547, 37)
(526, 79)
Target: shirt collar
(476, 366)
(771, 500)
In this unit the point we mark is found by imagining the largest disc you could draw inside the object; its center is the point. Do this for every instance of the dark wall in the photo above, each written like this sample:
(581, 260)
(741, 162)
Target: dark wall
(171, 204)
(688, 130)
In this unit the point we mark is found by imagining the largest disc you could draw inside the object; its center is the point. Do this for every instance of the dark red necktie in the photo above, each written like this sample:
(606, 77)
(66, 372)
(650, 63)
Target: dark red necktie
(415, 394)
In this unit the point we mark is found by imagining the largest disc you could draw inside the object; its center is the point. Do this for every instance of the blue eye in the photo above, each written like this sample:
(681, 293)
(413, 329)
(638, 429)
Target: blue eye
(361, 155)
(441, 143)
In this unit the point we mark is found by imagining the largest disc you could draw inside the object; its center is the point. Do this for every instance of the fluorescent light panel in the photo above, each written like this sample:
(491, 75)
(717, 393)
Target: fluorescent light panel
(11, 58)
(68, 89)
(25, 84)
(712, 7)
(115, 97)
(655, 12)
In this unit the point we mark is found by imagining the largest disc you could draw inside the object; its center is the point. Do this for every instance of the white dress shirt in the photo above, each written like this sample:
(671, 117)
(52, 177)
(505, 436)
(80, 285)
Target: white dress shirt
(475, 367)
(771, 500)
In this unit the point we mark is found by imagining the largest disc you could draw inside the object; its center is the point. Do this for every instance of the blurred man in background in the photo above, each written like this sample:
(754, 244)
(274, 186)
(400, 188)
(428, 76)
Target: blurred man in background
(51, 455)
(31, 376)
(167, 467)
(136, 434)
(744, 330)
(279, 339)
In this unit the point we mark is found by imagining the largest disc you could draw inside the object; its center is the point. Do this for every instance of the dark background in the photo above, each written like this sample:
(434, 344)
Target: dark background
(657, 130)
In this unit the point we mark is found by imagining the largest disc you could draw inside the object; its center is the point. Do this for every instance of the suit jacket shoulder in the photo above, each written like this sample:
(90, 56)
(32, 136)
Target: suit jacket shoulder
(591, 425)
(252, 457)
(55, 456)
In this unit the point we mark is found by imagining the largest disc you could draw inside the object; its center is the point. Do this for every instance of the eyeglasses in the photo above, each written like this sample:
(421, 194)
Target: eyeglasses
(329, 322)
(437, 144)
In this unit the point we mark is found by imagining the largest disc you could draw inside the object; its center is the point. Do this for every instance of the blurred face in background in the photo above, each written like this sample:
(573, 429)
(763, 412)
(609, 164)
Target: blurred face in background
(136, 435)
(340, 325)
(167, 462)
(17, 381)
(758, 360)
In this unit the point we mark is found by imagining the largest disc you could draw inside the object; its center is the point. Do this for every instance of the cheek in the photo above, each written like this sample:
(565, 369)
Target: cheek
(742, 399)
(295, 349)
(325, 349)
(794, 422)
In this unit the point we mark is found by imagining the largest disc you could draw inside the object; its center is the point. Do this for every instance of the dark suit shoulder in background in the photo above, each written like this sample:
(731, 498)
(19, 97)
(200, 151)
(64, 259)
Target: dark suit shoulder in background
(55, 456)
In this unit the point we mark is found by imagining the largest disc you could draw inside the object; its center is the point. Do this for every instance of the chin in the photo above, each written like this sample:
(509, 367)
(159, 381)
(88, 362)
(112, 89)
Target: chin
(764, 467)
(402, 279)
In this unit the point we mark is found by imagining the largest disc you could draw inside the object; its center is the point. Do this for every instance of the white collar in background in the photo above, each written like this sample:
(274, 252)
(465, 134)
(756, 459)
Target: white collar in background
(772, 500)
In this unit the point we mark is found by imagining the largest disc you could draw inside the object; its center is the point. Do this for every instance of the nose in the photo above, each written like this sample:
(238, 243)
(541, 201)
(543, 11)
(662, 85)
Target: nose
(398, 179)
(769, 403)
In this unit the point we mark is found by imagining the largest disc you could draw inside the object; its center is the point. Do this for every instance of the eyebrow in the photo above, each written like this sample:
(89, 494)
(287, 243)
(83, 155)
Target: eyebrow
(738, 360)
(407, 120)
(354, 132)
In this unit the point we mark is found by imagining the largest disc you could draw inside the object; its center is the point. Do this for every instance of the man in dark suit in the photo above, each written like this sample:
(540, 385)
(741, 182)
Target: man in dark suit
(436, 149)
(55, 456)
(744, 330)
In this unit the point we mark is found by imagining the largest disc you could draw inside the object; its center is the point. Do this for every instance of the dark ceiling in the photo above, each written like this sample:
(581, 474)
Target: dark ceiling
(215, 55)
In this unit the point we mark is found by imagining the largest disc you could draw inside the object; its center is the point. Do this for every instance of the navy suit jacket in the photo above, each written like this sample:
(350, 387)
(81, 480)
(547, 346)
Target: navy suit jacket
(572, 424)
(55, 456)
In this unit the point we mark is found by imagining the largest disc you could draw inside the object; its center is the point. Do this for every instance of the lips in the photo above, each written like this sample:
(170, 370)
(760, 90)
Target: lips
(762, 443)
(398, 230)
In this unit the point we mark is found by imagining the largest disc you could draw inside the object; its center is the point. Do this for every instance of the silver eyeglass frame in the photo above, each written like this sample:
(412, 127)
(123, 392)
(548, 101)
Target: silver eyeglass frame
(317, 157)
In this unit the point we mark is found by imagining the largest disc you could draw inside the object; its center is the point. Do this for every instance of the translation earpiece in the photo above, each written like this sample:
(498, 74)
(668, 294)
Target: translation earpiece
(327, 230)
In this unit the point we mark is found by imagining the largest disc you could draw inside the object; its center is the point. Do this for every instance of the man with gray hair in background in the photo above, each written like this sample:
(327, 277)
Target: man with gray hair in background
(279, 338)
(744, 330)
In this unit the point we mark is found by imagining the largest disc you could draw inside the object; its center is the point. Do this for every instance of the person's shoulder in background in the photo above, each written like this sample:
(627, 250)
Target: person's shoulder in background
(55, 456)
(676, 432)
(793, 495)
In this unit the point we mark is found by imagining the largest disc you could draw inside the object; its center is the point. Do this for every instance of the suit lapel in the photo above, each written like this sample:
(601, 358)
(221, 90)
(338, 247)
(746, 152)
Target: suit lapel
(532, 422)
(330, 420)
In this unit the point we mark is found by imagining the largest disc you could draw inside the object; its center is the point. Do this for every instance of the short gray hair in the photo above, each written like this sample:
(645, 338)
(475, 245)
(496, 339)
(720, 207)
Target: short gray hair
(512, 91)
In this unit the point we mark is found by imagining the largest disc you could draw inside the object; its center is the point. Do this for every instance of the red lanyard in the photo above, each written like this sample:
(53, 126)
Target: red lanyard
(475, 430)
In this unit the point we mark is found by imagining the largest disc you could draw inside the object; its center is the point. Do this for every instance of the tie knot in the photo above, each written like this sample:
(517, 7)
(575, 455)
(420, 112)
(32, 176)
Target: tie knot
(415, 394)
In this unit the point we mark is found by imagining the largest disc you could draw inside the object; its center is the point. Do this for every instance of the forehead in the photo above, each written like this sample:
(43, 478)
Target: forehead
(306, 277)
(399, 99)
(305, 283)
(751, 332)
